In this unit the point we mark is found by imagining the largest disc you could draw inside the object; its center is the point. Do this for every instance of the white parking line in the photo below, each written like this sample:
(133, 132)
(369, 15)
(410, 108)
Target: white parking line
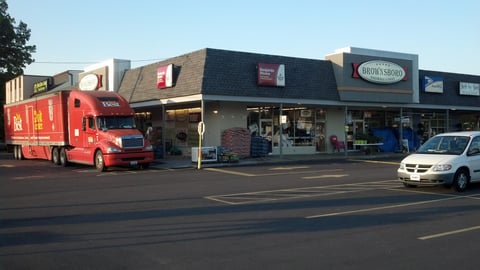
(325, 176)
(428, 237)
(7, 165)
(376, 161)
(229, 172)
(28, 177)
(279, 171)
(288, 168)
(304, 192)
(379, 208)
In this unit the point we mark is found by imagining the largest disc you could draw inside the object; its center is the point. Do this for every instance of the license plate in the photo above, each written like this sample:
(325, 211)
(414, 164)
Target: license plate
(133, 163)
(415, 177)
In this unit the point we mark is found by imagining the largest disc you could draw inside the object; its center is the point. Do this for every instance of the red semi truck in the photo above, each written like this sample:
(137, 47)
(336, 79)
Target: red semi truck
(88, 127)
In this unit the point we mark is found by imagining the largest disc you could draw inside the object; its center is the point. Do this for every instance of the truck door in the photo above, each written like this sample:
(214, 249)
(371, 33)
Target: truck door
(85, 137)
(90, 132)
(90, 136)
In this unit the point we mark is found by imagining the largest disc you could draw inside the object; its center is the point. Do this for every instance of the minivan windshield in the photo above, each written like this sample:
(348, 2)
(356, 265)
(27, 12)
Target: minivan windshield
(449, 145)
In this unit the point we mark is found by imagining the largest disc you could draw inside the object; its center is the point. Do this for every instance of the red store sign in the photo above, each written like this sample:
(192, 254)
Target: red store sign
(271, 74)
(165, 76)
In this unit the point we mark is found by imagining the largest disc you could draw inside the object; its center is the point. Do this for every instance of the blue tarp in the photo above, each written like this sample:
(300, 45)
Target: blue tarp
(390, 138)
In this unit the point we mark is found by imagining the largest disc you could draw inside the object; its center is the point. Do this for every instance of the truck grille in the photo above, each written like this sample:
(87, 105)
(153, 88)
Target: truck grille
(417, 168)
(132, 142)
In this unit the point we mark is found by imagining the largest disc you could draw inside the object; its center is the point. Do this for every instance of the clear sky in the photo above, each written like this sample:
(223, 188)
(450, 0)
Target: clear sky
(75, 34)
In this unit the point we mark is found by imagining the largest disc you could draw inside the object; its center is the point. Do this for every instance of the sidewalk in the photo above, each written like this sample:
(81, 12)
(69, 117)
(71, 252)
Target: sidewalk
(182, 162)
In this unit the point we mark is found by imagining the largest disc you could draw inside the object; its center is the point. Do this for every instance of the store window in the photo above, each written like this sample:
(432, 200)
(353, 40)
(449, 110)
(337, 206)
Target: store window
(290, 127)
(469, 122)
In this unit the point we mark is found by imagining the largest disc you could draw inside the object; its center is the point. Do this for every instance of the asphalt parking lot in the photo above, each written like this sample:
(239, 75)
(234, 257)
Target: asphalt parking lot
(340, 214)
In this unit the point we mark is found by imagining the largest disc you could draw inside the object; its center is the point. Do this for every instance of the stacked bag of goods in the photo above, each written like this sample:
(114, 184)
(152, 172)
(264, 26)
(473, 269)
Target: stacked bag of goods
(259, 147)
(237, 140)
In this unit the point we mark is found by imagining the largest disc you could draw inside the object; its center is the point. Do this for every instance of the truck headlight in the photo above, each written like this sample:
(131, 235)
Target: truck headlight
(442, 167)
(113, 149)
(118, 141)
(149, 148)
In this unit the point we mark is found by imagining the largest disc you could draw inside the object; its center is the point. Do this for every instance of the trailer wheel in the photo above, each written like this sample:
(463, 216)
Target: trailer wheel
(63, 157)
(99, 162)
(55, 156)
(17, 152)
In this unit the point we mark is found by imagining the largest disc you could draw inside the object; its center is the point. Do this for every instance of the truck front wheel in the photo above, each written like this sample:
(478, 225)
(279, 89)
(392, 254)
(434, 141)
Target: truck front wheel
(99, 162)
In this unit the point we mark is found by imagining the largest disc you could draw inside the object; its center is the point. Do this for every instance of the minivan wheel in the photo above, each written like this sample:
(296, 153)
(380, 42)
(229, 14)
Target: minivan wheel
(461, 180)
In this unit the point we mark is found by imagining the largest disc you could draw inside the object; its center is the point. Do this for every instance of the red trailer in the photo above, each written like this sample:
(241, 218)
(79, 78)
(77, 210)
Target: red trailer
(89, 127)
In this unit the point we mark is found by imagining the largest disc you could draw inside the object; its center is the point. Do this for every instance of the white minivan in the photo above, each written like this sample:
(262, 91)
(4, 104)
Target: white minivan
(449, 159)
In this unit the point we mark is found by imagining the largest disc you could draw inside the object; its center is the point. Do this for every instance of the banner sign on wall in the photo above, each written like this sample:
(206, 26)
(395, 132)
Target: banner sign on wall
(469, 89)
(271, 74)
(432, 84)
(165, 76)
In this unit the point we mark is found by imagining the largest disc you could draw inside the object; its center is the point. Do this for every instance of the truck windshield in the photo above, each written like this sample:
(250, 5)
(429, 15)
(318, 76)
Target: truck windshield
(115, 122)
(450, 145)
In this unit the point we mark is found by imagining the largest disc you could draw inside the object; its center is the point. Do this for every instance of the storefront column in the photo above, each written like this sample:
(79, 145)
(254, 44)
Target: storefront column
(400, 143)
(447, 121)
(345, 125)
(280, 132)
(164, 137)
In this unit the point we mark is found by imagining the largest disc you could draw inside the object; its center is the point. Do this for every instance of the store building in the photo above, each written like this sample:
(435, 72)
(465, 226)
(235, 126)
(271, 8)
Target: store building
(296, 104)
(25, 86)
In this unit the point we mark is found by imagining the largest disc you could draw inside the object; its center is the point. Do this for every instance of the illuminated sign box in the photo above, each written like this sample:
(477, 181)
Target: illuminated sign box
(165, 76)
(271, 74)
(469, 89)
(432, 84)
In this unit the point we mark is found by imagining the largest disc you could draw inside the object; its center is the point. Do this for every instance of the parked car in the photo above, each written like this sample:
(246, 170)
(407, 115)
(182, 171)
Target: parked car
(448, 159)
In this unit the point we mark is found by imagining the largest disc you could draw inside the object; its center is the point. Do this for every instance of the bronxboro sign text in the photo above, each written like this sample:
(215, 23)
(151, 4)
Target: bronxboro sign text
(378, 71)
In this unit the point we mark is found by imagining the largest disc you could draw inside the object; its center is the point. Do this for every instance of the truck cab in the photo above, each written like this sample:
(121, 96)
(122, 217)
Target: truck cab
(103, 133)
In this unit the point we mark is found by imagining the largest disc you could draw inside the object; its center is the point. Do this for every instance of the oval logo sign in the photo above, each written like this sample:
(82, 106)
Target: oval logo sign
(89, 82)
(383, 72)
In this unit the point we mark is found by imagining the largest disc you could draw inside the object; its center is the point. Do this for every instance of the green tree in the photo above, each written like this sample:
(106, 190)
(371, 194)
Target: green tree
(15, 53)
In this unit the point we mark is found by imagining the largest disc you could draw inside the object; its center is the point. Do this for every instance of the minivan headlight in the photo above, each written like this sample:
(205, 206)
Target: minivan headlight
(442, 167)
(402, 166)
